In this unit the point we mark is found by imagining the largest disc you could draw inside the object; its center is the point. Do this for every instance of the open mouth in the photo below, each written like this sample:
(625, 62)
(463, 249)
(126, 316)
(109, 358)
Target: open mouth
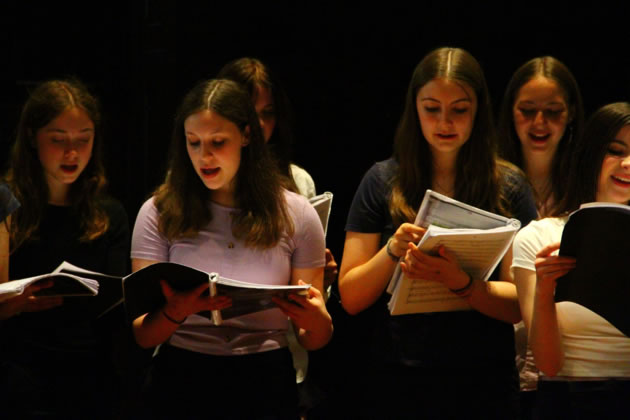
(446, 136)
(539, 137)
(210, 171)
(69, 168)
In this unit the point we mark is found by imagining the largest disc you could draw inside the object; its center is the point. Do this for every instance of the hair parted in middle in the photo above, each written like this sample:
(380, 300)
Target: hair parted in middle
(182, 200)
(26, 176)
(477, 178)
(588, 155)
(510, 146)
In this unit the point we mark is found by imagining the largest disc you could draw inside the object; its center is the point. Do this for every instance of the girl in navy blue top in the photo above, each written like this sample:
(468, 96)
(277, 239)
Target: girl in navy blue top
(448, 364)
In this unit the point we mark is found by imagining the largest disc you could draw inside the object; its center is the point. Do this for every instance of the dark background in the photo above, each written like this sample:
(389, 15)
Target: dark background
(345, 69)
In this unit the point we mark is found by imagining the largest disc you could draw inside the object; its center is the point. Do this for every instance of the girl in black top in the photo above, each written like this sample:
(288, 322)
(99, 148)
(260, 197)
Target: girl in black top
(448, 364)
(58, 362)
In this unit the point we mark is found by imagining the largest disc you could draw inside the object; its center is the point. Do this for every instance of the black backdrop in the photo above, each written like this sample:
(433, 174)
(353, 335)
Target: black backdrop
(345, 69)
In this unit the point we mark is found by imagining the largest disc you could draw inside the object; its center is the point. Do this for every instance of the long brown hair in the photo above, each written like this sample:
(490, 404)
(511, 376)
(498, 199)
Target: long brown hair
(478, 176)
(26, 176)
(510, 145)
(182, 200)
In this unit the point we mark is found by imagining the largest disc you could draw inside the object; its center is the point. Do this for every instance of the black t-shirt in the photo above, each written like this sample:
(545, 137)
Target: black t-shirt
(62, 362)
(69, 326)
(465, 342)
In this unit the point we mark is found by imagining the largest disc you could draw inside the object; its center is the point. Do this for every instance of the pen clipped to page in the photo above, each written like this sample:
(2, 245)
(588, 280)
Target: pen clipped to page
(217, 319)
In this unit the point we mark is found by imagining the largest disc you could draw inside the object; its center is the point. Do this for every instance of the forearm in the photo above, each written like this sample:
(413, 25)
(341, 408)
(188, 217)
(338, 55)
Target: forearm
(525, 289)
(544, 335)
(154, 328)
(496, 299)
(362, 285)
(317, 337)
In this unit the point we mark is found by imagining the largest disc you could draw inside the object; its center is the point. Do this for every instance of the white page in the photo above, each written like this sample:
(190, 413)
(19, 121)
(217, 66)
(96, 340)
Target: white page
(323, 204)
(440, 210)
(486, 238)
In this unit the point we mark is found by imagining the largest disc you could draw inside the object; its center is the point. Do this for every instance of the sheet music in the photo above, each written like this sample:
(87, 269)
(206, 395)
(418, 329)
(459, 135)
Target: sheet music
(478, 238)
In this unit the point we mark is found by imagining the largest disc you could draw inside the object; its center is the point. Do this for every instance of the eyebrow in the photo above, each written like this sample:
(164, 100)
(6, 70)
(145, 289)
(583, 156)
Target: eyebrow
(454, 102)
(59, 130)
(527, 101)
(192, 133)
(619, 142)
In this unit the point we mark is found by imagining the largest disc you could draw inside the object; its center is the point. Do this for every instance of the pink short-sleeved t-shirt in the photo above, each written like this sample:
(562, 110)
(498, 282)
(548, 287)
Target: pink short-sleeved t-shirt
(215, 249)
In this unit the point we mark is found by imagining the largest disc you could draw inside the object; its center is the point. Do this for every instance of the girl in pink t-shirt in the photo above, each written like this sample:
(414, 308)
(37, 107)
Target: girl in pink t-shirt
(219, 165)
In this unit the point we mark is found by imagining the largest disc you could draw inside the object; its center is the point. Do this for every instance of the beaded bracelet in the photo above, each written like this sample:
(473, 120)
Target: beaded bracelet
(464, 291)
(389, 251)
(173, 320)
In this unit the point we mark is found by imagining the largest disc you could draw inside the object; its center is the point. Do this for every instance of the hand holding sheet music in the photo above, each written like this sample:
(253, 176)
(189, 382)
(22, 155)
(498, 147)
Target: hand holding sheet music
(88, 293)
(331, 270)
(405, 234)
(550, 267)
(596, 236)
(305, 309)
(145, 293)
(476, 238)
(442, 267)
(475, 251)
(182, 303)
(66, 280)
(26, 302)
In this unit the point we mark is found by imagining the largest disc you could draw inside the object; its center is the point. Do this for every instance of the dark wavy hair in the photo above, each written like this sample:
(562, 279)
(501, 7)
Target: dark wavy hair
(26, 177)
(589, 153)
(182, 200)
(253, 74)
(510, 145)
(478, 175)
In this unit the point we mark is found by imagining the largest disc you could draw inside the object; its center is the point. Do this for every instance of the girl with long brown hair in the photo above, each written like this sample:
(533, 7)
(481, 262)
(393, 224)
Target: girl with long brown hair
(222, 208)
(59, 362)
(448, 364)
(540, 120)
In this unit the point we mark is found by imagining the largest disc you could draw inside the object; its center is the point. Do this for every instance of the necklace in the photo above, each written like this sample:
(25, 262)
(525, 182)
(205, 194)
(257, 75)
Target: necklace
(439, 188)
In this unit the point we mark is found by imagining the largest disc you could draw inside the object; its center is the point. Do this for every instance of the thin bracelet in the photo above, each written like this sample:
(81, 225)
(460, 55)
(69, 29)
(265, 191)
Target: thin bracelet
(389, 251)
(173, 320)
(463, 291)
